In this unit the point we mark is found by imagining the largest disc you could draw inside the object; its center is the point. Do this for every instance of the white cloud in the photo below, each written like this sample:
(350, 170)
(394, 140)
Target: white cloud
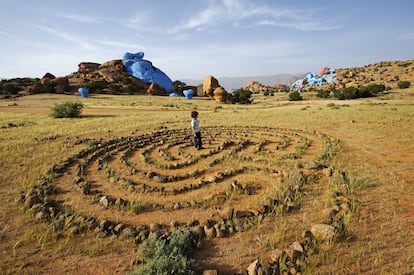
(244, 13)
(82, 19)
(81, 42)
(299, 25)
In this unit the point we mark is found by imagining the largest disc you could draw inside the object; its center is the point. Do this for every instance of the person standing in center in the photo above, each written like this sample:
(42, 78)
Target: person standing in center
(195, 126)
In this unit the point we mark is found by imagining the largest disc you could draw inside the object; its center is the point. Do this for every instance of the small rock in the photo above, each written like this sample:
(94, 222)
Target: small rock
(128, 232)
(104, 224)
(226, 213)
(32, 200)
(210, 272)
(273, 256)
(253, 268)
(244, 214)
(40, 215)
(296, 246)
(101, 234)
(74, 230)
(174, 224)
(328, 171)
(198, 231)
(329, 212)
(210, 232)
(323, 232)
(104, 201)
(154, 227)
(118, 228)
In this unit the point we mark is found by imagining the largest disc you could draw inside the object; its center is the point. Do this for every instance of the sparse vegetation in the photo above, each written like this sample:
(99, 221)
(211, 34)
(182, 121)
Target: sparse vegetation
(240, 96)
(164, 257)
(362, 92)
(404, 84)
(67, 109)
(295, 96)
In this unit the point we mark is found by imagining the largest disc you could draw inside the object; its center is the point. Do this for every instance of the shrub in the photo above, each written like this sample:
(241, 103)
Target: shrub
(167, 257)
(10, 89)
(240, 96)
(178, 88)
(347, 93)
(295, 96)
(323, 93)
(371, 90)
(96, 86)
(404, 84)
(67, 109)
(362, 92)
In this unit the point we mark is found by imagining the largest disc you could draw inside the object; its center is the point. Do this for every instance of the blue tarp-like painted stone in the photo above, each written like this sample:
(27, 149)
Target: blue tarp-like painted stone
(145, 71)
(188, 93)
(316, 78)
(84, 92)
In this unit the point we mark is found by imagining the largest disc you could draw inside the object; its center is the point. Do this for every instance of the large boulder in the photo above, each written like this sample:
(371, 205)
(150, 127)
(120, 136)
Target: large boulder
(62, 84)
(116, 65)
(210, 83)
(87, 67)
(220, 95)
(144, 70)
(110, 75)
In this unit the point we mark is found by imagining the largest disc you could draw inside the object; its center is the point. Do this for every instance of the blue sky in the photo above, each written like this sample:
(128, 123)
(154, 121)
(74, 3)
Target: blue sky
(195, 38)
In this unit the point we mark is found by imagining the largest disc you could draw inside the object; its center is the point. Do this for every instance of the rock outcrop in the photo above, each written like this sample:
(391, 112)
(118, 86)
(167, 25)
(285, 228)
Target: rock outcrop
(210, 83)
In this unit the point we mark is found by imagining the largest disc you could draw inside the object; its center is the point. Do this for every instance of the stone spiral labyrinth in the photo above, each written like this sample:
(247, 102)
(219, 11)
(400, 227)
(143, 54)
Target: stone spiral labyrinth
(157, 182)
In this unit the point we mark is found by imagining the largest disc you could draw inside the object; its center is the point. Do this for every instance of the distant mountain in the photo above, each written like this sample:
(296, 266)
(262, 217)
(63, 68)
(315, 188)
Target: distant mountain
(232, 83)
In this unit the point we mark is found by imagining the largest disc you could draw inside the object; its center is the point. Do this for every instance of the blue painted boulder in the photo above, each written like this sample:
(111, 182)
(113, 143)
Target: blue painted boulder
(84, 92)
(188, 93)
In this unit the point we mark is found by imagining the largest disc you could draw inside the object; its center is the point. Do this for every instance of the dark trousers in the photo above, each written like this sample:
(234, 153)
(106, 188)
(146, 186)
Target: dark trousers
(197, 141)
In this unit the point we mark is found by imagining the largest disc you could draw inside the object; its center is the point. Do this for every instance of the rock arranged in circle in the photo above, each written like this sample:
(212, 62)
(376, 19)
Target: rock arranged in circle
(158, 182)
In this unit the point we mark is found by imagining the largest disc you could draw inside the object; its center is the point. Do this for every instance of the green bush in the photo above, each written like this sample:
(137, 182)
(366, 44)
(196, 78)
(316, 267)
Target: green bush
(354, 93)
(371, 90)
(404, 84)
(96, 86)
(240, 96)
(323, 93)
(67, 109)
(295, 96)
(10, 89)
(347, 93)
(163, 256)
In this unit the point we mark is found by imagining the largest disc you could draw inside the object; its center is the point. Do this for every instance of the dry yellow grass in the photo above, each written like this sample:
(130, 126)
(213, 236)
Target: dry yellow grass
(377, 151)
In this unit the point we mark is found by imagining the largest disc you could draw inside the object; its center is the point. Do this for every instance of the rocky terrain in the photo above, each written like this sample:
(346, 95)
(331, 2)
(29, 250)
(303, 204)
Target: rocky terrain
(112, 78)
(388, 73)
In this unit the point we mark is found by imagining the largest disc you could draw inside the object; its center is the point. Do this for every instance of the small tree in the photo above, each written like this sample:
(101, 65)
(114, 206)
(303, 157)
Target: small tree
(10, 89)
(67, 109)
(404, 84)
(240, 96)
(295, 96)
(323, 93)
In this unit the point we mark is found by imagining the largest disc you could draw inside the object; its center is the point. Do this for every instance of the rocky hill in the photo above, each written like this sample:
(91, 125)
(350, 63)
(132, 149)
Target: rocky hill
(112, 78)
(388, 73)
(107, 78)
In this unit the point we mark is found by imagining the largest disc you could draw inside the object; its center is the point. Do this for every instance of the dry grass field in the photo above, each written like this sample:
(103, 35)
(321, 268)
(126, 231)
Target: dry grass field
(79, 195)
